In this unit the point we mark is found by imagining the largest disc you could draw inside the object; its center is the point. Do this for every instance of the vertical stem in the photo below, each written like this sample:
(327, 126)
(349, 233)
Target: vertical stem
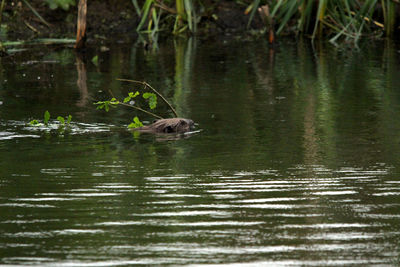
(180, 10)
(2, 49)
(390, 17)
(81, 25)
(1, 9)
(320, 17)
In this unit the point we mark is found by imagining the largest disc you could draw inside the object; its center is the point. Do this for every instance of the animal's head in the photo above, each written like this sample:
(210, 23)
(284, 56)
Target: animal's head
(179, 125)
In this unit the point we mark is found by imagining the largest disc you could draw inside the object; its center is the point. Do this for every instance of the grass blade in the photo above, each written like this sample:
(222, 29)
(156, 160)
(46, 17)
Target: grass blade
(145, 12)
(36, 13)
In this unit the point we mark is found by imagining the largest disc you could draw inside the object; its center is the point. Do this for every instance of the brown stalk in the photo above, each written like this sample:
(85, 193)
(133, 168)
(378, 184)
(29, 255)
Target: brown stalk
(81, 25)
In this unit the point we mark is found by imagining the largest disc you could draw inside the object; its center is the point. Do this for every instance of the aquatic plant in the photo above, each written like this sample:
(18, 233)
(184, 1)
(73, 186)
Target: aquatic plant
(63, 122)
(66, 121)
(136, 123)
(155, 13)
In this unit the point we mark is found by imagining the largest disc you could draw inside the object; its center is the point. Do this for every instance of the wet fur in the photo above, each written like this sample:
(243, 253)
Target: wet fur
(174, 125)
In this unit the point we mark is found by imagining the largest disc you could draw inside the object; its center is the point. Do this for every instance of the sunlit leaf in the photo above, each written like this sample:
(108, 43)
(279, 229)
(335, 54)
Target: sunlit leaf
(152, 99)
(95, 60)
(34, 122)
(46, 117)
(133, 95)
(69, 119)
(136, 123)
(61, 120)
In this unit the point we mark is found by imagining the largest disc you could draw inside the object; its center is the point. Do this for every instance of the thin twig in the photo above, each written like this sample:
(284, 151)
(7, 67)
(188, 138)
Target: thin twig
(31, 27)
(143, 110)
(154, 90)
(135, 107)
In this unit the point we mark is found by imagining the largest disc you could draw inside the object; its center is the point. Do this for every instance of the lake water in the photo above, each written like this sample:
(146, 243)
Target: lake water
(296, 160)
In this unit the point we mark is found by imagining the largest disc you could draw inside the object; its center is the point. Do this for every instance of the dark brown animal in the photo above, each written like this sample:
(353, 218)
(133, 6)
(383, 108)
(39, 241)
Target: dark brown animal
(174, 125)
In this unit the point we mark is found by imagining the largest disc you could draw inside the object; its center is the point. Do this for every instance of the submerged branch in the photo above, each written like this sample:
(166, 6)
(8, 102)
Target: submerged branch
(154, 90)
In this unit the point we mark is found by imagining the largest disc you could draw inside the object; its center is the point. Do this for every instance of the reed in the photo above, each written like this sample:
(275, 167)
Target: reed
(155, 16)
(349, 20)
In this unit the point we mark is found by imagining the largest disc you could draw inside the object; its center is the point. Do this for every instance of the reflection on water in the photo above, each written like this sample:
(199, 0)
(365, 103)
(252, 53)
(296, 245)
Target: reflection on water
(244, 217)
(296, 163)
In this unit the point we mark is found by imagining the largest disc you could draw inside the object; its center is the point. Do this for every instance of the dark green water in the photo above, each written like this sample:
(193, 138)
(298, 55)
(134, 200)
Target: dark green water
(297, 162)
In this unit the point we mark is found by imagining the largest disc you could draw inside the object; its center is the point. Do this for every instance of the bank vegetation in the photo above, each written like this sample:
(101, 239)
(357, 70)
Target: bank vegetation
(339, 21)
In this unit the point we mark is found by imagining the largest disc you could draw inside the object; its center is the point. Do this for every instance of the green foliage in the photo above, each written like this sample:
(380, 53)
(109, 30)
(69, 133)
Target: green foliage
(64, 4)
(69, 119)
(136, 123)
(152, 14)
(345, 19)
(107, 104)
(130, 96)
(46, 117)
(34, 122)
(95, 60)
(152, 99)
(61, 120)
(64, 122)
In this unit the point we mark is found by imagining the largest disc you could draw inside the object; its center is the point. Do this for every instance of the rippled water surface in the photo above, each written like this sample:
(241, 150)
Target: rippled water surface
(295, 161)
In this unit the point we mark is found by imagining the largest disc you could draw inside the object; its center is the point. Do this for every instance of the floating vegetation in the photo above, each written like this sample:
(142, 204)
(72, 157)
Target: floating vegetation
(62, 126)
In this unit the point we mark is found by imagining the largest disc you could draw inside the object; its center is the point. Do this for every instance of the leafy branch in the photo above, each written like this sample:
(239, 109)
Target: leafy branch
(146, 85)
(129, 101)
(113, 103)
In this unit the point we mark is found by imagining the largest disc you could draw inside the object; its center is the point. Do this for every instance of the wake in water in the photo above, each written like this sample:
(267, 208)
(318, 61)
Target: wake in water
(12, 129)
(20, 129)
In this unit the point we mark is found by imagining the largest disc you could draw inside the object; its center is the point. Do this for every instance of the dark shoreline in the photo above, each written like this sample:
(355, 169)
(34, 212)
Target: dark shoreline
(109, 23)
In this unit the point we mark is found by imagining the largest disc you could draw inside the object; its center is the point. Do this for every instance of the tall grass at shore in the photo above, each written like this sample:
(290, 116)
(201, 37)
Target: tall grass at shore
(338, 20)
(348, 20)
(154, 13)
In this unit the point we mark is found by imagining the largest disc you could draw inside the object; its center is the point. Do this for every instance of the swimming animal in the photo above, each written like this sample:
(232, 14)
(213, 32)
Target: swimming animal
(173, 125)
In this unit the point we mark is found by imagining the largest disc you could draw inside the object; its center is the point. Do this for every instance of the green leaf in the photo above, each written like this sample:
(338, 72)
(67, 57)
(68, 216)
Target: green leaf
(46, 117)
(130, 96)
(152, 99)
(136, 123)
(113, 101)
(61, 120)
(133, 95)
(69, 119)
(34, 122)
(100, 106)
(107, 104)
(95, 60)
